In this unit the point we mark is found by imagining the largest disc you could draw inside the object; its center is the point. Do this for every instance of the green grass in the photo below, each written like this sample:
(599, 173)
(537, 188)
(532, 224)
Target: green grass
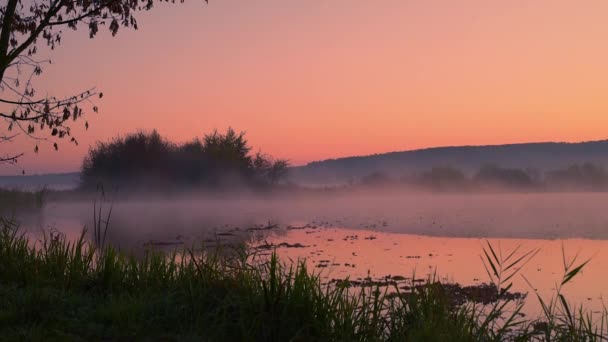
(62, 290)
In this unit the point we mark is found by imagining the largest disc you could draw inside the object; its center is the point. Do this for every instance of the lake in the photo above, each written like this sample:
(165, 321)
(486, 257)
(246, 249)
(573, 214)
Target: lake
(376, 235)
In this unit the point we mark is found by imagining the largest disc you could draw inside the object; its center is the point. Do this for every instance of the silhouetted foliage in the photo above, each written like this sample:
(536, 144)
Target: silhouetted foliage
(577, 177)
(588, 176)
(218, 160)
(496, 175)
(268, 169)
(14, 201)
(377, 178)
(27, 25)
(543, 156)
(443, 178)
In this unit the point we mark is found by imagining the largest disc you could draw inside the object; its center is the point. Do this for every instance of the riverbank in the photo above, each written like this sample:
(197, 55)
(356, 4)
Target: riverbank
(81, 290)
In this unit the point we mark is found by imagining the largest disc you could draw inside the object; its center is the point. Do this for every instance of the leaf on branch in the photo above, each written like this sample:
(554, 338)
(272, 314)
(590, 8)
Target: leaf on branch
(44, 21)
(114, 26)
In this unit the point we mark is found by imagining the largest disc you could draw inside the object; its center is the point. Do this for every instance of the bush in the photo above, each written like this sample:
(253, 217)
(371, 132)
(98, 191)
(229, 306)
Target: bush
(587, 176)
(443, 177)
(492, 174)
(218, 160)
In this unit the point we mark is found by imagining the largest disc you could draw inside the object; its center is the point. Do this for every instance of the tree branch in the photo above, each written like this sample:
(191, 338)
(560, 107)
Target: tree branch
(53, 10)
(18, 118)
(21, 103)
(7, 137)
(9, 16)
(76, 19)
(10, 159)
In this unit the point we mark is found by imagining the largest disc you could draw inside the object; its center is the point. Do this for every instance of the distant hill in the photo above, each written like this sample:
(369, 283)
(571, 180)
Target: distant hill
(544, 156)
(55, 181)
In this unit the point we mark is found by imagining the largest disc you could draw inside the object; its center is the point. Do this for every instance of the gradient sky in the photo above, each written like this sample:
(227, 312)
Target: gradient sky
(320, 79)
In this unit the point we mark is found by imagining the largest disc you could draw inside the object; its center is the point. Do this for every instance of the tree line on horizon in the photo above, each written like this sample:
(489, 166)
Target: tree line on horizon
(223, 160)
(148, 161)
(578, 176)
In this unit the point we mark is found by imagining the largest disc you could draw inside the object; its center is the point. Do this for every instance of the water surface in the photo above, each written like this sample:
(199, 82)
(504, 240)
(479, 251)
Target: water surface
(375, 234)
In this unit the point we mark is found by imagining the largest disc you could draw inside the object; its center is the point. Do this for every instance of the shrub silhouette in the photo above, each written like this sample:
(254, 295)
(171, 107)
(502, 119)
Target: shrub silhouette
(493, 174)
(443, 177)
(588, 176)
(377, 178)
(142, 159)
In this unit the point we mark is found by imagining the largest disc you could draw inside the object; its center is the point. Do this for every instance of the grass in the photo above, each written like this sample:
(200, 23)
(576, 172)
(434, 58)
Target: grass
(12, 201)
(57, 289)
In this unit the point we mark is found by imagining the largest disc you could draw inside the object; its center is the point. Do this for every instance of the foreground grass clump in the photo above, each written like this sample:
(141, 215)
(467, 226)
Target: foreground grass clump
(62, 290)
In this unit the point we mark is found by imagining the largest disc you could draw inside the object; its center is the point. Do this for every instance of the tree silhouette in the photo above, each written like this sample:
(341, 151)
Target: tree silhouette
(443, 177)
(142, 160)
(24, 26)
(589, 176)
(494, 174)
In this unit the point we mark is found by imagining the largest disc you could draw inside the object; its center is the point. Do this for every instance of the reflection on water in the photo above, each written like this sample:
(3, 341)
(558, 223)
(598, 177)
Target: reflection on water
(384, 235)
(339, 253)
(542, 216)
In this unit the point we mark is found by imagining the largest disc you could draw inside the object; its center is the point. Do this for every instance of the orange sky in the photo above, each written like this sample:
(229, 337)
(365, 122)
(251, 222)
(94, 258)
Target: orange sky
(319, 79)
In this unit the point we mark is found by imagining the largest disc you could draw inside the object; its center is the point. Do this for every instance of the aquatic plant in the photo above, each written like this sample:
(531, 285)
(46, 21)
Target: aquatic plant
(61, 289)
(13, 200)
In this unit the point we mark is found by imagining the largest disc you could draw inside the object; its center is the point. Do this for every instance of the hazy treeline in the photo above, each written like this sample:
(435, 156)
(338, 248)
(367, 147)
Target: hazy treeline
(12, 201)
(143, 160)
(469, 159)
(586, 176)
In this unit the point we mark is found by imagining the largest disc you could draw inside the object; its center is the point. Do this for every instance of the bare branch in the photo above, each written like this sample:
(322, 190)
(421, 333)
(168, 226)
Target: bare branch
(22, 28)
(10, 159)
(22, 103)
(7, 138)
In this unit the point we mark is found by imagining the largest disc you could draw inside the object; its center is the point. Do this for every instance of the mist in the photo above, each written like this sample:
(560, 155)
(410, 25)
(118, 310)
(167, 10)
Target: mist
(195, 219)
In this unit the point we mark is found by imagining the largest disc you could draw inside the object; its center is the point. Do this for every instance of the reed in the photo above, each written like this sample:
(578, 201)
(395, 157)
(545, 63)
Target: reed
(15, 201)
(80, 290)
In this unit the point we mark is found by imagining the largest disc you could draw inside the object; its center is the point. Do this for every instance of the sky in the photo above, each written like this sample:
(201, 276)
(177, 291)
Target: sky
(310, 80)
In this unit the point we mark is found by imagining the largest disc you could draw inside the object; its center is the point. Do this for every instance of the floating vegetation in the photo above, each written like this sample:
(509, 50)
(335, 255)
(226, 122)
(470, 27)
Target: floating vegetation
(76, 290)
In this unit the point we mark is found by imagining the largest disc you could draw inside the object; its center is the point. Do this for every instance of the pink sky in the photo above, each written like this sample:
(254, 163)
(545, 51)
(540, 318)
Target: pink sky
(312, 80)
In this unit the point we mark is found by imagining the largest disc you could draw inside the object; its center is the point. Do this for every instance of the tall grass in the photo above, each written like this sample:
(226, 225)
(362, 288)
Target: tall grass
(12, 200)
(77, 290)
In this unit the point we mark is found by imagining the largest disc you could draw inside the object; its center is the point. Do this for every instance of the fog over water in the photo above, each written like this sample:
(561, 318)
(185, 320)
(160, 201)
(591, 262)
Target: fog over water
(375, 234)
(537, 216)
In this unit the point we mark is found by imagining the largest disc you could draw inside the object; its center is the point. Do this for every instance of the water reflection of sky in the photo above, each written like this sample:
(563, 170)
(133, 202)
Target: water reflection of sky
(379, 234)
(358, 253)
